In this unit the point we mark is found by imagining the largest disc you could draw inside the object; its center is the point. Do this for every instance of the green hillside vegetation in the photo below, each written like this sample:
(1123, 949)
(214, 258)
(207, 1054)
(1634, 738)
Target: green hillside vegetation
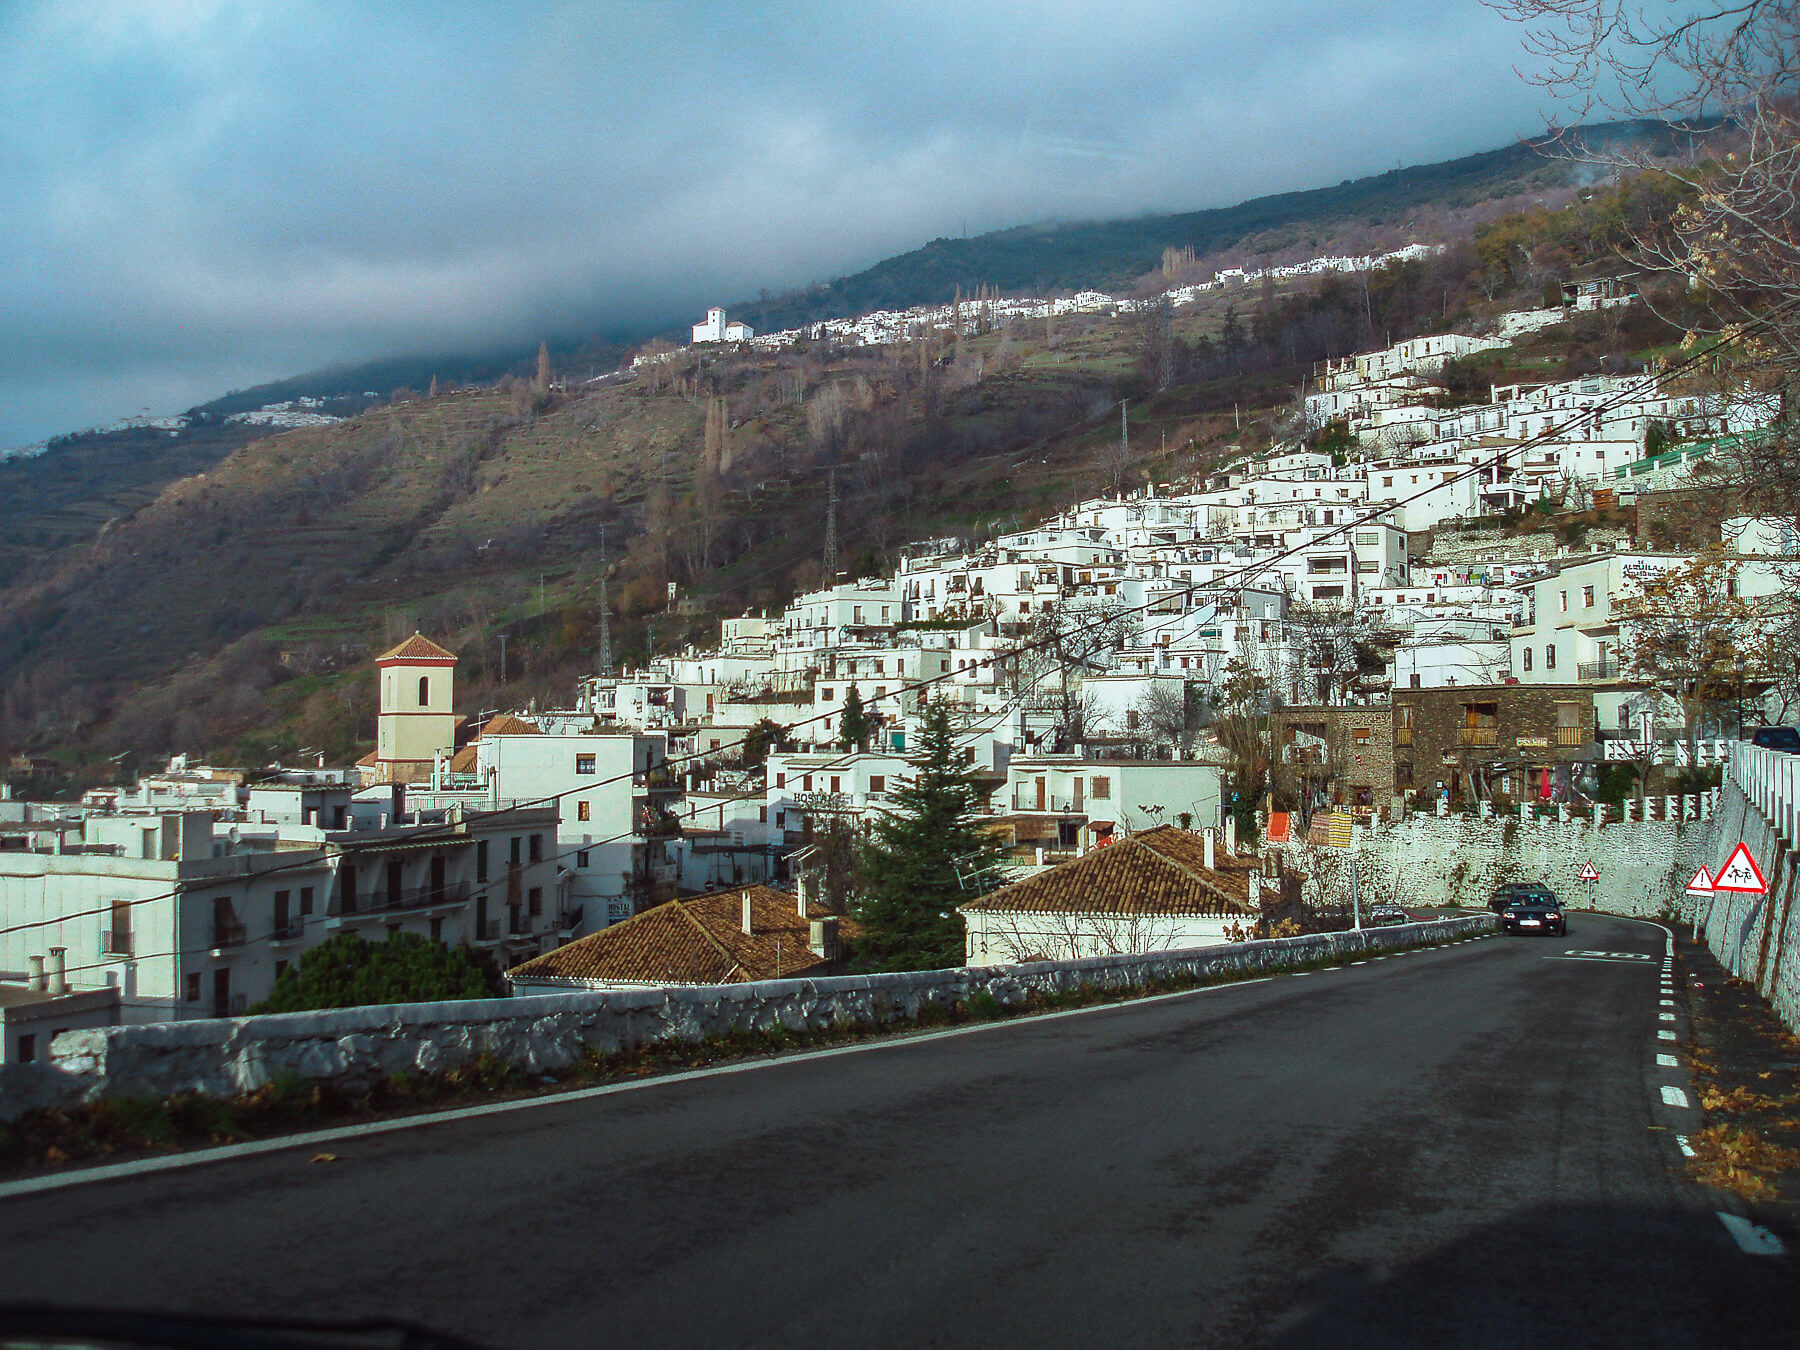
(233, 613)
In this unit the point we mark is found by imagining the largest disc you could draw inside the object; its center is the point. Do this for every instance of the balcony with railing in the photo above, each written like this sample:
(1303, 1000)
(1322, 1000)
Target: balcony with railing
(489, 930)
(228, 933)
(1477, 735)
(289, 930)
(1597, 670)
(1568, 736)
(1403, 735)
(232, 1005)
(1027, 799)
(114, 939)
(379, 904)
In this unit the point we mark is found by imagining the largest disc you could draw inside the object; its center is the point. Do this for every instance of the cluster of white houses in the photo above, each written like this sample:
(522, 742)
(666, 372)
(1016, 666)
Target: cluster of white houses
(189, 893)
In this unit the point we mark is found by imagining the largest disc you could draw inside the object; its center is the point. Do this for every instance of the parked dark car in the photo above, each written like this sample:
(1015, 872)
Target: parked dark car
(1777, 738)
(1534, 911)
(1515, 891)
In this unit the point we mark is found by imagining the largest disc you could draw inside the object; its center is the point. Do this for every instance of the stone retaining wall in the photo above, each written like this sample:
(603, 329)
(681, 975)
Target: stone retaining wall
(1428, 861)
(357, 1047)
(1754, 936)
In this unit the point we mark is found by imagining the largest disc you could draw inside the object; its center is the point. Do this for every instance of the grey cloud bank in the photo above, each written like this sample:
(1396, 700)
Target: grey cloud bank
(208, 195)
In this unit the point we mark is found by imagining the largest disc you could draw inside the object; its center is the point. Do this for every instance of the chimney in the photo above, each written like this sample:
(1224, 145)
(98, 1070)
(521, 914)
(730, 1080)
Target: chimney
(59, 979)
(1231, 836)
(745, 897)
(825, 938)
(36, 980)
(1211, 861)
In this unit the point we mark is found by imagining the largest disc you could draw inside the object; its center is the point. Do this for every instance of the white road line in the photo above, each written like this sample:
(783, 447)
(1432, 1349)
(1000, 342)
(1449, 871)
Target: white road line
(1687, 1149)
(1751, 1238)
(1359, 963)
(1673, 1096)
(1665, 1017)
(225, 1153)
(1665, 1002)
(1665, 1035)
(1667, 1062)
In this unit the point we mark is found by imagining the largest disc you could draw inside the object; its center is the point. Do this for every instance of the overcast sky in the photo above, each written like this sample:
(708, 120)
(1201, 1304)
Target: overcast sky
(199, 196)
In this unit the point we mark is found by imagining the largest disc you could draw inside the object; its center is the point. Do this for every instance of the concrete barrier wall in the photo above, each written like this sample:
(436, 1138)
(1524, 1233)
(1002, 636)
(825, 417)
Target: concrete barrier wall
(358, 1047)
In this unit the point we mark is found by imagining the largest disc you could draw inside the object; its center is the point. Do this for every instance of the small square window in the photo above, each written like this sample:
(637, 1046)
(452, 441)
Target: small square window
(584, 764)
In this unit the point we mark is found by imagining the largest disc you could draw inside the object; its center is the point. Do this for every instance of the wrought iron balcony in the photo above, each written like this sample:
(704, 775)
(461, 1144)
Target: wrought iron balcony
(410, 897)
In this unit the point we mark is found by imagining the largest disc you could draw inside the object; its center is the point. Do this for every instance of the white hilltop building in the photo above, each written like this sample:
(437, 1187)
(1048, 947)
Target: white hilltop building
(717, 328)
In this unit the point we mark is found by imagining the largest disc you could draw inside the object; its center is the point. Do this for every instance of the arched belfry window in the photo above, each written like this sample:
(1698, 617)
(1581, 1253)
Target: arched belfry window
(424, 690)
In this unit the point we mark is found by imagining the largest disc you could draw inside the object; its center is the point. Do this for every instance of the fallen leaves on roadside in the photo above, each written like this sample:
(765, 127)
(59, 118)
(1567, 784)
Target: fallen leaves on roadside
(1738, 1099)
(1741, 1161)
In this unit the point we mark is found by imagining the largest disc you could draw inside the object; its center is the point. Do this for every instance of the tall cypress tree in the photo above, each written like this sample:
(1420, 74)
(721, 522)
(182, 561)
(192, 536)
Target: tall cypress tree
(854, 726)
(927, 857)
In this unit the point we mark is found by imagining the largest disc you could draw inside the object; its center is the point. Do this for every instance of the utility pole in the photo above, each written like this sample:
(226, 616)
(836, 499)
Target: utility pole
(503, 658)
(831, 540)
(606, 657)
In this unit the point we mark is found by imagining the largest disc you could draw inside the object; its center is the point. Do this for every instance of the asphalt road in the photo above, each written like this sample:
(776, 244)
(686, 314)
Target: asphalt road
(1462, 1147)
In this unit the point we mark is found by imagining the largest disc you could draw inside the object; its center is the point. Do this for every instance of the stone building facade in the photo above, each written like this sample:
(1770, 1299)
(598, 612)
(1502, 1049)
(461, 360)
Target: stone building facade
(1338, 756)
(1508, 742)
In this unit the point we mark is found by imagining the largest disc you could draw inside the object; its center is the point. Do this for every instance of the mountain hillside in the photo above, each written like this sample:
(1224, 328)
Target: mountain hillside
(1113, 255)
(229, 607)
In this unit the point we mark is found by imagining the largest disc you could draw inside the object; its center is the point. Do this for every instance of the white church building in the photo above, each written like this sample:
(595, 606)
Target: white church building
(717, 328)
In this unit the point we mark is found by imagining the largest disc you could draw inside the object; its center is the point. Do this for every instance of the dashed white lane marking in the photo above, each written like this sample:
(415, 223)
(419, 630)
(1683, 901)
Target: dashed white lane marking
(1665, 1017)
(1667, 1062)
(1752, 1239)
(1665, 1035)
(1673, 1096)
(1359, 963)
(1665, 1002)
(1687, 1149)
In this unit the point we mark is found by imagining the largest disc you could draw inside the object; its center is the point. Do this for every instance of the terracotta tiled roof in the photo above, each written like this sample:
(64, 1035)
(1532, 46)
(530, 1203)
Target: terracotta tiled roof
(1161, 871)
(418, 647)
(463, 761)
(697, 940)
(505, 724)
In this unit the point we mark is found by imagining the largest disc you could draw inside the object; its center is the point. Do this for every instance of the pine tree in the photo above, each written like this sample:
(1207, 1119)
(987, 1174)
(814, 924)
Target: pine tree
(542, 383)
(854, 726)
(926, 858)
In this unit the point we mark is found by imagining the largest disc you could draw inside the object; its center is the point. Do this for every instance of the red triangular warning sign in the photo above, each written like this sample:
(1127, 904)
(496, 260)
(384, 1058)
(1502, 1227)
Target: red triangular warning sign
(1588, 872)
(1702, 884)
(1741, 874)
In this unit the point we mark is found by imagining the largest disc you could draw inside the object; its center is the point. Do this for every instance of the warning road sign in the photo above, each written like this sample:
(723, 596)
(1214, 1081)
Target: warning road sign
(1588, 872)
(1741, 874)
(1702, 884)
